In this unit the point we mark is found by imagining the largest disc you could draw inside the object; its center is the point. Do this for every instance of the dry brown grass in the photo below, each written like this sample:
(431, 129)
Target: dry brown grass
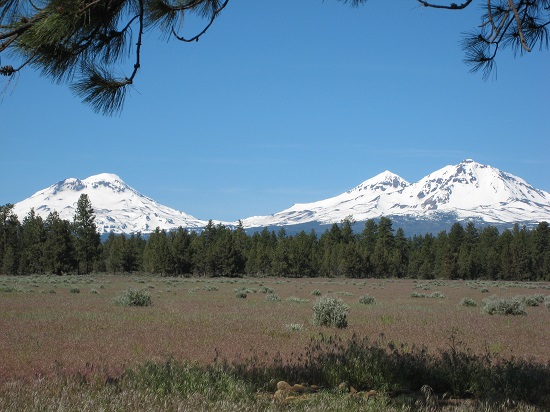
(45, 333)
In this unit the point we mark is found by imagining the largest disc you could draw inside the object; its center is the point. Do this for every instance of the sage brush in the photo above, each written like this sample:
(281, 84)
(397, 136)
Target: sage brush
(329, 311)
(132, 297)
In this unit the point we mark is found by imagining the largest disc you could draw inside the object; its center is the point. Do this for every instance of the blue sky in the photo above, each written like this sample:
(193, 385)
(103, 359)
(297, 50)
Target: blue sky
(286, 102)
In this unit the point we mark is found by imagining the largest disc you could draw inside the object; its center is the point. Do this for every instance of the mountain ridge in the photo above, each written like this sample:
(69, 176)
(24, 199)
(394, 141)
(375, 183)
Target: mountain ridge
(466, 191)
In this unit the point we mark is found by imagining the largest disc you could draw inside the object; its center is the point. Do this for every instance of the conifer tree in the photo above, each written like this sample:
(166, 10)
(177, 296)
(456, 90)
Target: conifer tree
(350, 261)
(383, 249)
(328, 249)
(113, 249)
(180, 242)
(281, 258)
(541, 251)
(260, 252)
(368, 243)
(488, 252)
(132, 257)
(87, 239)
(157, 256)
(347, 230)
(451, 250)
(9, 240)
(33, 237)
(400, 254)
(301, 254)
(506, 258)
(59, 251)
(520, 253)
(428, 255)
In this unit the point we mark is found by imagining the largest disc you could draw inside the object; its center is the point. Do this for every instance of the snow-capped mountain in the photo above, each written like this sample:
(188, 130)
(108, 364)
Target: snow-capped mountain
(118, 207)
(467, 191)
(362, 202)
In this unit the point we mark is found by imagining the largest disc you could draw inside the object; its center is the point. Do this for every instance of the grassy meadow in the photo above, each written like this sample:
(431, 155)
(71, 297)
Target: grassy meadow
(74, 343)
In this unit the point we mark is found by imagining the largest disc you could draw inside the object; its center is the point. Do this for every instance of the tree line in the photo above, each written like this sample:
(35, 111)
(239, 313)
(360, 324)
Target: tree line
(54, 245)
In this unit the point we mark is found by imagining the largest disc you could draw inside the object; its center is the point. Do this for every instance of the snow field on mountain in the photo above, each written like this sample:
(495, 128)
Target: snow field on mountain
(468, 190)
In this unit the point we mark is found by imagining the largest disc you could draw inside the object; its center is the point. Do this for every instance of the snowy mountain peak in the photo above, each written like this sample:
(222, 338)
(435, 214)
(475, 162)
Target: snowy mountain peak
(385, 181)
(107, 182)
(118, 207)
(104, 177)
(70, 184)
(468, 190)
(469, 185)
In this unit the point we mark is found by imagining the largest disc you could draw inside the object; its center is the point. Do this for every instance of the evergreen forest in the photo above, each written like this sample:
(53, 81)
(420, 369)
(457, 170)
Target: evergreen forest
(57, 246)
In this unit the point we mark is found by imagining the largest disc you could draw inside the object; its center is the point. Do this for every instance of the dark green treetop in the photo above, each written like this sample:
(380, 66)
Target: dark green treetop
(87, 239)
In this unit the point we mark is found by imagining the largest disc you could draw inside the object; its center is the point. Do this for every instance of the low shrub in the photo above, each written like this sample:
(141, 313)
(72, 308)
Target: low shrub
(296, 299)
(497, 306)
(241, 294)
(367, 300)
(468, 302)
(532, 300)
(211, 288)
(266, 289)
(331, 312)
(74, 290)
(315, 292)
(132, 297)
(435, 295)
(294, 327)
(272, 297)
(245, 290)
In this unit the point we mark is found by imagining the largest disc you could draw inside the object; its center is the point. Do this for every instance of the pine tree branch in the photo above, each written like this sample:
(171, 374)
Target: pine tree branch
(10, 70)
(100, 89)
(138, 45)
(519, 23)
(213, 17)
(18, 31)
(88, 38)
(452, 6)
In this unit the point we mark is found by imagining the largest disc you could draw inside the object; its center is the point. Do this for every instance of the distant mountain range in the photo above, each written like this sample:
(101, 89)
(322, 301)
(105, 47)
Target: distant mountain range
(464, 192)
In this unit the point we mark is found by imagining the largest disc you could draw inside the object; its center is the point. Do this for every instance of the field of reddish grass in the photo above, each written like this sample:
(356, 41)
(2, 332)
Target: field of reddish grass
(45, 328)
